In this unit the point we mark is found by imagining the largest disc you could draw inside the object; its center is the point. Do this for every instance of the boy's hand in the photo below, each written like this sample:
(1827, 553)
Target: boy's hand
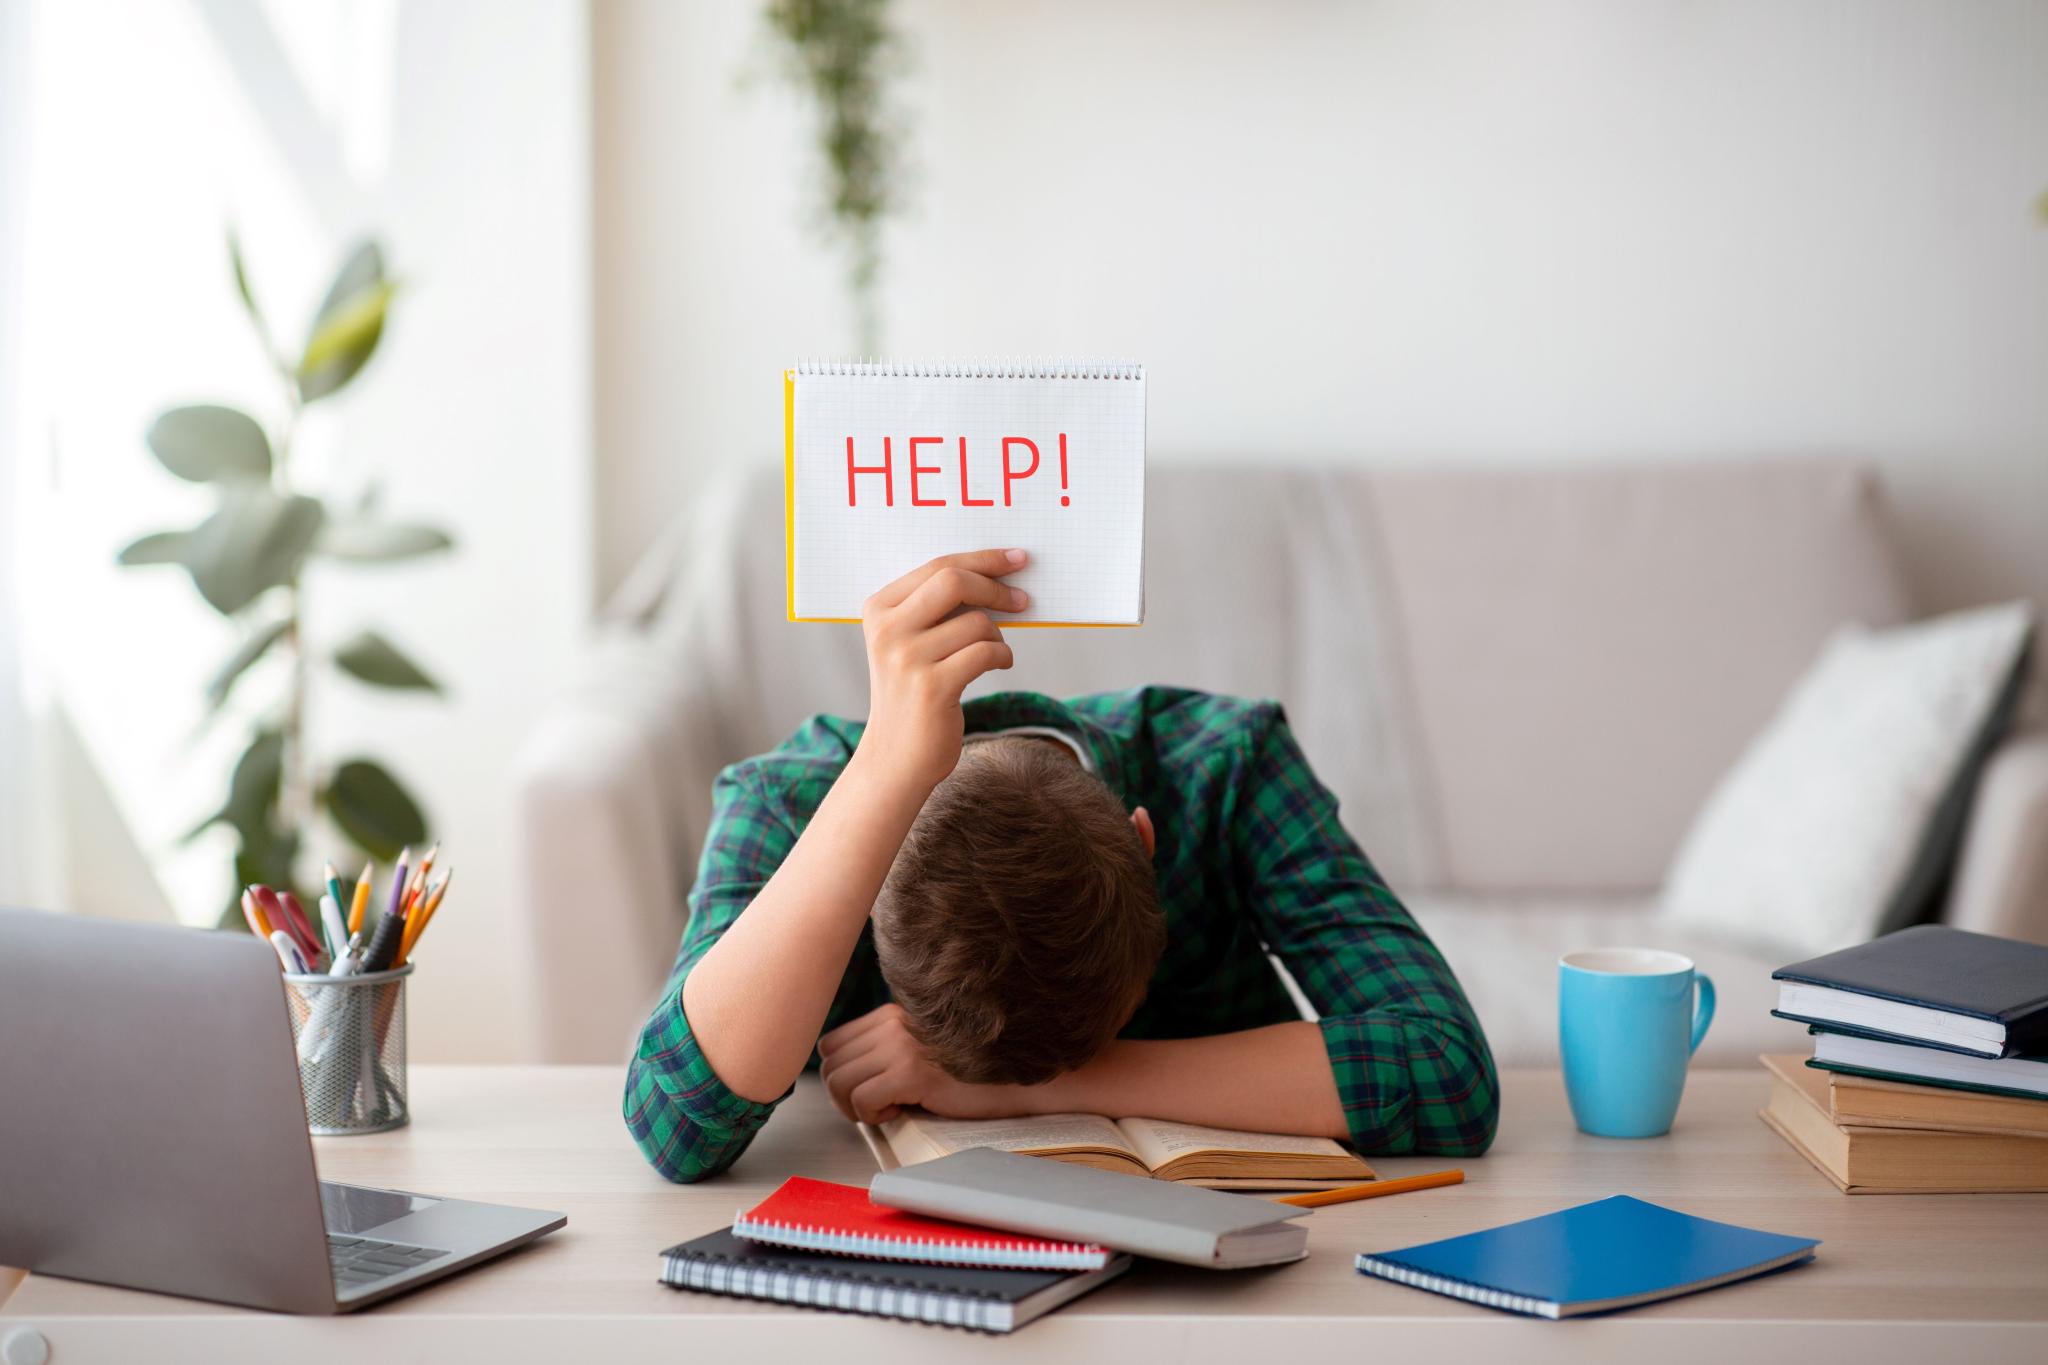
(929, 634)
(873, 1066)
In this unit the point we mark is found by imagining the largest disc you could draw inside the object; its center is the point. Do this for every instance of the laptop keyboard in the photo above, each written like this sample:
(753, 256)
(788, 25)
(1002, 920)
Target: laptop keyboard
(359, 1261)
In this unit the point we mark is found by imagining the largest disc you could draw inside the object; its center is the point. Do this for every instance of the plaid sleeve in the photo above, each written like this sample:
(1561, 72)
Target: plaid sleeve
(685, 1120)
(1411, 1063)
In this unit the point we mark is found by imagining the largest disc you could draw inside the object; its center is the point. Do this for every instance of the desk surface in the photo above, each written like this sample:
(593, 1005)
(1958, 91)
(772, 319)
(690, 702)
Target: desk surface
(1898, 1277)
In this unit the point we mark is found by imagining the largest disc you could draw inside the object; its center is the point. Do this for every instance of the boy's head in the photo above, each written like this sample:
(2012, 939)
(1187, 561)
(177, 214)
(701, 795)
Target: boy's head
(1020, 922)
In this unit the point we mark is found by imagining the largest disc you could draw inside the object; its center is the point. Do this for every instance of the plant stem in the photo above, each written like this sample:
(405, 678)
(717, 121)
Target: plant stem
(295, 784)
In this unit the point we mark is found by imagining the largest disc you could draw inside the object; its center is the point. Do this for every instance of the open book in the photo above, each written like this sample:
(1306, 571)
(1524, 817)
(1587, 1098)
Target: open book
(1216, 1158)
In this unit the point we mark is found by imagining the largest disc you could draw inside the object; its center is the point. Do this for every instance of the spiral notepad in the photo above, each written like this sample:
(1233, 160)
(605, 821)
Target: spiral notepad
(820, 1215)
(948, 1296)
(887, 466)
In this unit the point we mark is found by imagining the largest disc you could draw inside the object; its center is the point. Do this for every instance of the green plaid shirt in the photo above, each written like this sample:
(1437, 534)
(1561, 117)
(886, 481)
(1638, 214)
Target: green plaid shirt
(1250, 857)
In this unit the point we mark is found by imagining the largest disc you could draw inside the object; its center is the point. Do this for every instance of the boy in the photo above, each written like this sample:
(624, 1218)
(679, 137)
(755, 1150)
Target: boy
(1018, 905)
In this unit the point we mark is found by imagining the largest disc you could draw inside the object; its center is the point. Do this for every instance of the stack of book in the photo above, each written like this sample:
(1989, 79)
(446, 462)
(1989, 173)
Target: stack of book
(825, 1245)
(980, 1238)
(1929, 1071)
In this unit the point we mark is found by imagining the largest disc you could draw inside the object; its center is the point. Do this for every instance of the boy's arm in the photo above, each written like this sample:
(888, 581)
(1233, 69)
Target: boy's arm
(761, 961)
(1274, 1079)
(1402, 1047)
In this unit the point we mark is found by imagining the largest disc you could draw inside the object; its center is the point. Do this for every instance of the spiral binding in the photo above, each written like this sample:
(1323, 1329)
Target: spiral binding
(1055, 367)
(874, 1295)
(998, 1253)
(1458, 1289)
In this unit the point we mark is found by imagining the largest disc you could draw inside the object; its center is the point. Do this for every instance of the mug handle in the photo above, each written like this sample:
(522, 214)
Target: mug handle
(1703, 1011)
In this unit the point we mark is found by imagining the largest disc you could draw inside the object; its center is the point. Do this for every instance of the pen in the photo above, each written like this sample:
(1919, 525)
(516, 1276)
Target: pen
(1317, 1198)
(304, 930)
(280, 916)
(383, 944)
(362, 899)
(287, 952)
(337, 932)
(253, 913)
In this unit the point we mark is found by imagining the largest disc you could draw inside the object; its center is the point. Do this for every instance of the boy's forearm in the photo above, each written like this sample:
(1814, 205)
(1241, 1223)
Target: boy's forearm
(1274, 1079)
(757, 999)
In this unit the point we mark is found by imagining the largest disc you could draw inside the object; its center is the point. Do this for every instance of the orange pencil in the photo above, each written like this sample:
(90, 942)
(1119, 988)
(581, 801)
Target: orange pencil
(360, 901)
(416, 923)
(416, 888)
(1315, 1199)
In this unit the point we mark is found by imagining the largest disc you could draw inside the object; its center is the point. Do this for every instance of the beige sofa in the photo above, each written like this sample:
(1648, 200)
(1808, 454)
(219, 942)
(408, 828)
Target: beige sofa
(1522, 684)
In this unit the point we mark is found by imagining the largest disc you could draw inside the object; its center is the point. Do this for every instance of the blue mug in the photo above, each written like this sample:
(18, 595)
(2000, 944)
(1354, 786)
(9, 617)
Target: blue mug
(1627, 1024)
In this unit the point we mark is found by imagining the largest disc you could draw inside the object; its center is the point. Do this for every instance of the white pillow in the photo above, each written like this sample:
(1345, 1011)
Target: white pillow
(1807, 841)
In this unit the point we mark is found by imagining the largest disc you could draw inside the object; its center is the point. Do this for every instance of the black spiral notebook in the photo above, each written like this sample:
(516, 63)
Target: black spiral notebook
(949, 1296)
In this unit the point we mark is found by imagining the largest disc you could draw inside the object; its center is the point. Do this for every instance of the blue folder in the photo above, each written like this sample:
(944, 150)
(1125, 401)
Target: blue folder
(1613, 1253)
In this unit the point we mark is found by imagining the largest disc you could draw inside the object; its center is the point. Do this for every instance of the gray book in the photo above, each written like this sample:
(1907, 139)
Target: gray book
(1053, 1199)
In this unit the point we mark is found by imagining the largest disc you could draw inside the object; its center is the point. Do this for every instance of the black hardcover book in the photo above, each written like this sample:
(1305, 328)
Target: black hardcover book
(1932, 985)
(950, 1296)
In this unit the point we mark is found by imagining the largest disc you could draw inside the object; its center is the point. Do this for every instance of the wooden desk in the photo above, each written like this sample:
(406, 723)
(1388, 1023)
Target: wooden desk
(1908, 1278)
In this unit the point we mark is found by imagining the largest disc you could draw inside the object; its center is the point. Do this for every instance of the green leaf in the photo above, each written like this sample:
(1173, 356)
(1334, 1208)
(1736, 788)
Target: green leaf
(363, 268)
(242, 280)
(205, 442)
(158, 547)
(254, 542)
(373, 659)
(252, 791)
(346, 329)
(373, 540)
(373, 809)
(253, 647)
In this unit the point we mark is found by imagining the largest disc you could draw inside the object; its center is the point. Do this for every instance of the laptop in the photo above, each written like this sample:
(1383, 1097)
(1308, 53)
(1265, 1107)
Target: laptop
(154, 1134)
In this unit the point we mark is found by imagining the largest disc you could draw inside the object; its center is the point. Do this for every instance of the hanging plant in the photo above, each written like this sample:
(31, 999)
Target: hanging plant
(842, 53)
(248, 561)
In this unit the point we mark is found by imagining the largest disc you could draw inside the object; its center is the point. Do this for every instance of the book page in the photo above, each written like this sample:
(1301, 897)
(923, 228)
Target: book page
(922, 1132)
(1158, 1142)
(887, 471)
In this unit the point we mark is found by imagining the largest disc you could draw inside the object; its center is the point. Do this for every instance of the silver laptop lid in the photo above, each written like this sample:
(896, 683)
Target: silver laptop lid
(152, 1133)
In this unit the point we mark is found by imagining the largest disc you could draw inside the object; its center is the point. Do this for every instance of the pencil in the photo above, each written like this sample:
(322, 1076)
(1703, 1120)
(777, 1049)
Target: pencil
(334, 890)
(398, 885)
(417, 923)
(362, 899)
(1317, 1198)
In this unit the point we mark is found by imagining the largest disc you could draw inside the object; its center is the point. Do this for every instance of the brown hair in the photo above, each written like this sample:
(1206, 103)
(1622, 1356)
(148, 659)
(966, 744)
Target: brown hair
(1020, 922)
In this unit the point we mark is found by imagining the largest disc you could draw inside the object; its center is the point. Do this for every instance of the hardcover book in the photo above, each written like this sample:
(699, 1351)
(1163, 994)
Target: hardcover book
(1932, 985)
(1895, 1160)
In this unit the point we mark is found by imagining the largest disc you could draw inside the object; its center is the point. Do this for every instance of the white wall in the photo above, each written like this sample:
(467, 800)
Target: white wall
(1381, 232)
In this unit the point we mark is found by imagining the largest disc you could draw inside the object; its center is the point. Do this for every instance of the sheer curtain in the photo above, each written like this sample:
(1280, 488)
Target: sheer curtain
(22, 861)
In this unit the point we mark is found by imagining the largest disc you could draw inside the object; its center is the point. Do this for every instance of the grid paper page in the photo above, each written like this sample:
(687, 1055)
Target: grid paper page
(1086, 539)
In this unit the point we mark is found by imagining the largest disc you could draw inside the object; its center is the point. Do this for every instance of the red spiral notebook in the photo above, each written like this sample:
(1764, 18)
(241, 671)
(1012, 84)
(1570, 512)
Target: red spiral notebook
(840, 1220)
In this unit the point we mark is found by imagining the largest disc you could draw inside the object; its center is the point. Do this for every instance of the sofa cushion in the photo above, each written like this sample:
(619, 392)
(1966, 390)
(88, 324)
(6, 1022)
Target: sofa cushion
(1841, 820)
(1589, 650)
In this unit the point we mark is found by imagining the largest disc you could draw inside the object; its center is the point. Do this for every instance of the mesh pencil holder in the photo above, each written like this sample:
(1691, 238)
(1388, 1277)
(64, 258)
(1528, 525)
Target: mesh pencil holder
(349, 1034)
